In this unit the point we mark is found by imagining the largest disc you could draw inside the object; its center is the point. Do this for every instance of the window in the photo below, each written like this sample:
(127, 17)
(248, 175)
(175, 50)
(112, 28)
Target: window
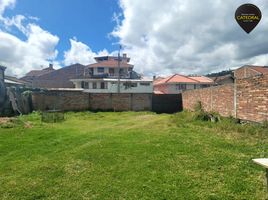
(86, 86)
(103, 85)
(129, 84)
(180, 86)
(144, 84)
(111, 70)
(94, 85)
(100, 69)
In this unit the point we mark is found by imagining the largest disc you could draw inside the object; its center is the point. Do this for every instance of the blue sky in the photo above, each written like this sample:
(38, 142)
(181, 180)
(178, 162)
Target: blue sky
(160, 37)
(90, 21)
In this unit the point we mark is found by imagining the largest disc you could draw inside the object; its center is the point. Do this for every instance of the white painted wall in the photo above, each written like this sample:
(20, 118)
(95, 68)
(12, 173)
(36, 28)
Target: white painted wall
(112, 87)
(172, 89)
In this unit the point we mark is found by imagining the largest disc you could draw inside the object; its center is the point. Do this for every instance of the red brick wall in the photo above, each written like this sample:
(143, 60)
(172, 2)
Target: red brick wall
(252, 98)
(245, 72)
(62, 100)
(219, 99)
(77, 100)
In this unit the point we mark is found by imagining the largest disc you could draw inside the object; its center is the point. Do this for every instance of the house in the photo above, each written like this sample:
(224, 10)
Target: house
(51, 78)
(34, 74)
(2, 85)
(177, 83)
(13, 81)
(247, 71)
(112, 75)
(221, 80)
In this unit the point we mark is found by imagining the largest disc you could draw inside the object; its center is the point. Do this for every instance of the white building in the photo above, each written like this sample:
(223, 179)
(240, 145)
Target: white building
(177, 83)
(102, 77)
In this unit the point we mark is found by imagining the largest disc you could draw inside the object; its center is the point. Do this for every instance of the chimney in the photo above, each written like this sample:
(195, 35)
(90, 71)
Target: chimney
(124, 55)
(50, 66)
(154, 77)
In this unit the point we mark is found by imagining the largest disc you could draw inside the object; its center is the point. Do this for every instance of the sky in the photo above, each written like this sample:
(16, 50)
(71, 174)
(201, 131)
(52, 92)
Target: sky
(161, 37)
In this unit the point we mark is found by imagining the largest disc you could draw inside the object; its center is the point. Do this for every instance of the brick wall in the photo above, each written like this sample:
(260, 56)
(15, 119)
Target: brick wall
(78, 100)
(252, 98)
(245, 72)
(219, 99)
(60, 100)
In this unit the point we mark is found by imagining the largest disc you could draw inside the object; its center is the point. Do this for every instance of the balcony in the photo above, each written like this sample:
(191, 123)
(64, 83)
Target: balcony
(106, 75)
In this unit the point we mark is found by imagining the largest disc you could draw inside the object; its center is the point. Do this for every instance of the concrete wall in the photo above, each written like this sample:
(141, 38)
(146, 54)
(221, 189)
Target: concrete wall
(78, 100)
(247, 99)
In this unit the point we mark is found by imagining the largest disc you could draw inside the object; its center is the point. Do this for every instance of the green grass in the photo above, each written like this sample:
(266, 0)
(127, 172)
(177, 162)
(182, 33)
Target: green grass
(131, 155)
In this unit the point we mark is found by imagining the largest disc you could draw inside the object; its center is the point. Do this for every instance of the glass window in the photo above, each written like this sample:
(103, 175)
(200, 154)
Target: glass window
(86, 86)
(94, 85)
(111, 70)
(180, 86)
(100, 69)
(103, 85)
(144, 84)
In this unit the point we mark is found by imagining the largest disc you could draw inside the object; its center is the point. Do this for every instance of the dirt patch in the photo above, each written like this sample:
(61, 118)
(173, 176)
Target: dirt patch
(5, 120)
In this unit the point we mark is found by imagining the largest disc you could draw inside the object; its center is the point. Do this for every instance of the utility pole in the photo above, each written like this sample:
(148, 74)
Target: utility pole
(118, 80)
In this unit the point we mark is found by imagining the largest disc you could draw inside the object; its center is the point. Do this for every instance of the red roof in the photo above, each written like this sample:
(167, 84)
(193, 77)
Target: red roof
(177, 78)
(158, 92)
(201, 79)
(110, 63)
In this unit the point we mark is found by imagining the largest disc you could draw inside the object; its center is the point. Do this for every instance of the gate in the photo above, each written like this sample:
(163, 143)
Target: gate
(167, 103)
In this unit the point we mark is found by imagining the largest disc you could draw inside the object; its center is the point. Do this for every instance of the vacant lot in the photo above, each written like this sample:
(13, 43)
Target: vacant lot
(130, 155)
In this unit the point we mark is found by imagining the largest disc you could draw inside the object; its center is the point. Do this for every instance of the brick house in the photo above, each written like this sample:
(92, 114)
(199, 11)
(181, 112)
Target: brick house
(177, 83)
(248, 71)
(34, 74)
(51, 78)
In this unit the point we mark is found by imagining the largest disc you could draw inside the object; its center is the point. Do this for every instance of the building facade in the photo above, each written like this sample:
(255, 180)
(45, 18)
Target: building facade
(177, 83)
(112, 75)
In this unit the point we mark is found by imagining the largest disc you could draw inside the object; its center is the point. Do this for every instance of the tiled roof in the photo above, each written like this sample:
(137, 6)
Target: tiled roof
(39, 72)
(14, 79)
(110, 63)
(158, 92)
(201, 79)
(177, 78)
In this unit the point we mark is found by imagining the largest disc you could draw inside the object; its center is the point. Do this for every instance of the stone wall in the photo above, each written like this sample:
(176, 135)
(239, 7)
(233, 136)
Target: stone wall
(78, 100)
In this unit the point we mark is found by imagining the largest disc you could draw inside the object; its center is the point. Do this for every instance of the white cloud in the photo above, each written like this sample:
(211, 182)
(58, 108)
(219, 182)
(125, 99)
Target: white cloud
(6, 4)
(81, 53)
(21, 56)
(190, 36)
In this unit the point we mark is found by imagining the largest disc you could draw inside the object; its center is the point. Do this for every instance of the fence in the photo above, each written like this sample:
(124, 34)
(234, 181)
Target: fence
(77, 100)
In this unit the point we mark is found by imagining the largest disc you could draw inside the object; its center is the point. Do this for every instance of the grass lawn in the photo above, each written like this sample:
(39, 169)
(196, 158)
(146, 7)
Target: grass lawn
(131, 155)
